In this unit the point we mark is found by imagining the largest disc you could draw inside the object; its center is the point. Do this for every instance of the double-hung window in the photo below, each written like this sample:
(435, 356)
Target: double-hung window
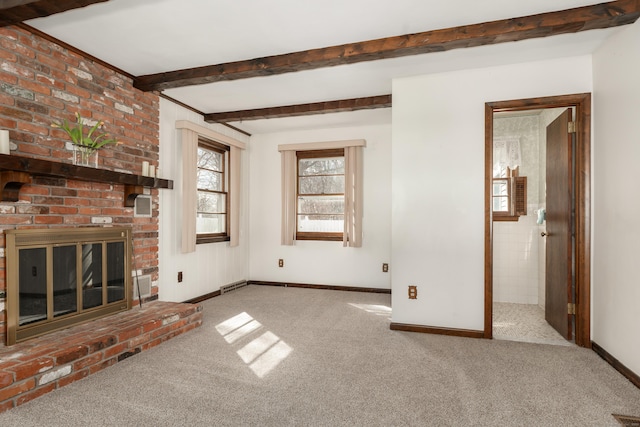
(322, 191)
(320, 195)
(211, 186)
(212, 224)
(509, 194)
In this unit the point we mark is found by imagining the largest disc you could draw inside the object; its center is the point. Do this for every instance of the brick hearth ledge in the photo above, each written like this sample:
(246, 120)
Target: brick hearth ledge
(40, 365)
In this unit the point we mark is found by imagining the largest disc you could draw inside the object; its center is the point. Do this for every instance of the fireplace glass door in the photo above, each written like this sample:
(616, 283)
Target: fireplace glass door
(65, 279)
(33, 285)
(91, 275)
(56, 279)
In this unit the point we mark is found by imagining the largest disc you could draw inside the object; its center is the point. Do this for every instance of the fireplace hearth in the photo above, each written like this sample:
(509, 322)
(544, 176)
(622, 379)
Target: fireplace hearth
(57, 278)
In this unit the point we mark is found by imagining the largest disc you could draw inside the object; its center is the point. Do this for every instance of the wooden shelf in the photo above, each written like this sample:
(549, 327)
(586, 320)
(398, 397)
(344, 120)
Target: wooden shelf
(18, 171)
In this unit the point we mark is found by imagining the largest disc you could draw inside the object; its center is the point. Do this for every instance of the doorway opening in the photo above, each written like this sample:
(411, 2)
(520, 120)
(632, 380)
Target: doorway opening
(575, 284)
(519, 225)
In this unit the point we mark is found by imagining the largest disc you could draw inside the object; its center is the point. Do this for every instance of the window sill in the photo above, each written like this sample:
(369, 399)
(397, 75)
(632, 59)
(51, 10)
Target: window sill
(319, 236)
(506, 217)
(212, 239)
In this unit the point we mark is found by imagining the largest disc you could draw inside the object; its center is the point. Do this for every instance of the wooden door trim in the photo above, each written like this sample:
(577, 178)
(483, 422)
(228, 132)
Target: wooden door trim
(582, 104)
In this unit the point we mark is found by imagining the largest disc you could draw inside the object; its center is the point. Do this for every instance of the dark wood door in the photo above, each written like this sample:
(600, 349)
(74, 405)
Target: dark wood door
(558, 225)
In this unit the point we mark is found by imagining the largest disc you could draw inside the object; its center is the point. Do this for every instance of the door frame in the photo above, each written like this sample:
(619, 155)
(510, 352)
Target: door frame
(582, 104)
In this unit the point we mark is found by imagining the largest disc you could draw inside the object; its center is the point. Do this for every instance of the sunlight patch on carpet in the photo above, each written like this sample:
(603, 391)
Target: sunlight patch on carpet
(263, 353)
(271, 358)
(233, 323)
(377, 309)
(242, 331)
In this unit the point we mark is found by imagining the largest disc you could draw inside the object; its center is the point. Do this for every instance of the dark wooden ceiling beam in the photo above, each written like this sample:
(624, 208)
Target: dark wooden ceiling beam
(604, 15)
(14, 11)
(340, 106)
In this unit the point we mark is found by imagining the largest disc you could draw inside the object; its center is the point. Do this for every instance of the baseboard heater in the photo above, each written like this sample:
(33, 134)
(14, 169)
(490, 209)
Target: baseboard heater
(232, 287)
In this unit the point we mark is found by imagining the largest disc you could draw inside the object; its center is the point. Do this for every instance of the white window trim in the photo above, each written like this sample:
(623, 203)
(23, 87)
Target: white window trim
(353, 193)
(190, 133)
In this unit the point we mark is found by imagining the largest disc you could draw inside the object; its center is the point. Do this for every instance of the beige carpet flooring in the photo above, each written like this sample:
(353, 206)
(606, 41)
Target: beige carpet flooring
(269, 356)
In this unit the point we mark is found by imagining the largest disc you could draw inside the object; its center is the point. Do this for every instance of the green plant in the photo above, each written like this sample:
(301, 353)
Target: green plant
(92, 141)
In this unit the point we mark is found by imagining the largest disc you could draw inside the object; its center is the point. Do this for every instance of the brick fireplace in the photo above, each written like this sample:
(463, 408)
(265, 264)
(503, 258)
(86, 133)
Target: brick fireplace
(42, 81)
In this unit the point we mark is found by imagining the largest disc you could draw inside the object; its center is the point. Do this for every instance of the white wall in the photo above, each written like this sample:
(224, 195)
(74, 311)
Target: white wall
(212, 264)
(318, 262)
(616, 233)
(438, 182)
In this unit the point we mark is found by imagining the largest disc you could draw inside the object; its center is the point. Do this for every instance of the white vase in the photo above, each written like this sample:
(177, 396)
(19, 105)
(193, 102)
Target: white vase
(85, 156)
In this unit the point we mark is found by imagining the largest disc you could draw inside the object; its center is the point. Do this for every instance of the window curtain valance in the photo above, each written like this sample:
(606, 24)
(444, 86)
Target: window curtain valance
(352, 235)
(506, 153)
(190, 133)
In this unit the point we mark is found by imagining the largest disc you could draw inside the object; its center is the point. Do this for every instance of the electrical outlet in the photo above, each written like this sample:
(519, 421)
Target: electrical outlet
(280, 262)
(385, 268)
(413, 292)
(179, 276)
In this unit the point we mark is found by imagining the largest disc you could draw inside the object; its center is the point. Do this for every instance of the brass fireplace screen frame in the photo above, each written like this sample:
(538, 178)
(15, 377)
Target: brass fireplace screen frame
(17, 240)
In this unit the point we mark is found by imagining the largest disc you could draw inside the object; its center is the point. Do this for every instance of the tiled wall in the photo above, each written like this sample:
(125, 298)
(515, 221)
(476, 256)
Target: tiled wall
(516, 259)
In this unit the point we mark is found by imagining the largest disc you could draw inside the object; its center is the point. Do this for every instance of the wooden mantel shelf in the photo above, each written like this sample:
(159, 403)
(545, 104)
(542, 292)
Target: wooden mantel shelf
(17, 171)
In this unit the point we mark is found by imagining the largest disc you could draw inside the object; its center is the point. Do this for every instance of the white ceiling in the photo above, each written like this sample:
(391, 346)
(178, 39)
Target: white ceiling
(150, 36)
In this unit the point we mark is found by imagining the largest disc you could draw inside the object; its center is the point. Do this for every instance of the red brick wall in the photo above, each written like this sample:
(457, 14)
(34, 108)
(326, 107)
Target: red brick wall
(41, 82)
